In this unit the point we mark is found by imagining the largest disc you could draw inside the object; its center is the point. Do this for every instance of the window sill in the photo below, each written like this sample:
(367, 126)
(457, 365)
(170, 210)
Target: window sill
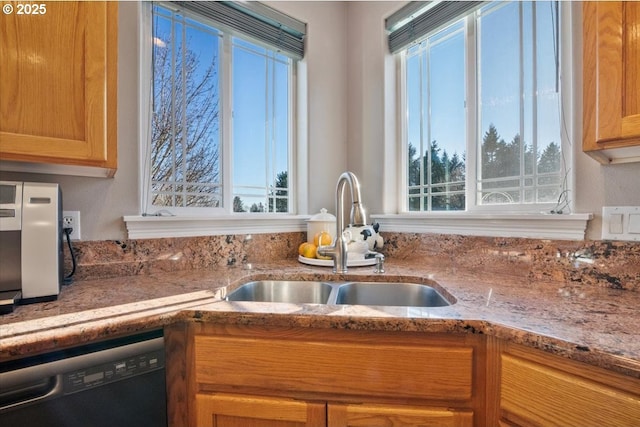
(538, 226)
(151, 227)
(535, 226)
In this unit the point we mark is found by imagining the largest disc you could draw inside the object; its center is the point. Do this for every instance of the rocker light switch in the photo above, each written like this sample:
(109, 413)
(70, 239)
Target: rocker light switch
(615, 224)
(634, 223)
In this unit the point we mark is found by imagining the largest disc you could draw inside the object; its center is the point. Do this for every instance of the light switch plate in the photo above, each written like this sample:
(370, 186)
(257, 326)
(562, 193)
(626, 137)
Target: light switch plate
(621, 223)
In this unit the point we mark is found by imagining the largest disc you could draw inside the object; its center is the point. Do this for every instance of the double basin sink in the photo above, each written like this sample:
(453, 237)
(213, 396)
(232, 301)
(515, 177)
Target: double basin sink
(351, 293)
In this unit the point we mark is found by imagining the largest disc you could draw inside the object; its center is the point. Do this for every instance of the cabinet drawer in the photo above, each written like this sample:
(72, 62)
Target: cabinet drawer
(367, 415)
(535, 394)
(337, 367)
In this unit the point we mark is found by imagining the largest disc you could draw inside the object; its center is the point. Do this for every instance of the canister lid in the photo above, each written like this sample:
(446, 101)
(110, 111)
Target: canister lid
(322, 216)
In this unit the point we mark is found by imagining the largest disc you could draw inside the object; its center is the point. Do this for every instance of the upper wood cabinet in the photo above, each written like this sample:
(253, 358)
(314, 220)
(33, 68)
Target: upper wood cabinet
(59, 84)
(611, 81)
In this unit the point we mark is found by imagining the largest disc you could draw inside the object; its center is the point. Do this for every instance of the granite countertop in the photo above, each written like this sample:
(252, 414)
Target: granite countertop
(595, 325)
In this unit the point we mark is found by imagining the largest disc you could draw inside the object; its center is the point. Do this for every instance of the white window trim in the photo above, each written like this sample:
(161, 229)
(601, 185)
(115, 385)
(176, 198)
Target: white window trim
(534, 226)
(150, 227)
(223, 221)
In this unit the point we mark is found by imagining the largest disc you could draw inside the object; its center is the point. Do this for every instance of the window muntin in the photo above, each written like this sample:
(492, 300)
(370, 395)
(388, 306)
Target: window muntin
(521, 99)
(192, 126)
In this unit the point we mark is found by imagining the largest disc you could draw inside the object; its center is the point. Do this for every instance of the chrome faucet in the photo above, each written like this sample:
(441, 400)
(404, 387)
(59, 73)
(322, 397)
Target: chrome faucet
(358, 217)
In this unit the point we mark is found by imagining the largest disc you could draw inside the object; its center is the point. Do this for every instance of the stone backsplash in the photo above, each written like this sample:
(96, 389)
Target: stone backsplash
(598, 263)
(603, 263)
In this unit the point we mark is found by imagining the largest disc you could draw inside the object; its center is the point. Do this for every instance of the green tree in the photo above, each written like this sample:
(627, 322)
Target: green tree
(413, 177)
(238, 206)
(279, 192)
(509, 157)
(499, 159)
(447, 174)
(550, 159)
(413, 166)
(257, 207)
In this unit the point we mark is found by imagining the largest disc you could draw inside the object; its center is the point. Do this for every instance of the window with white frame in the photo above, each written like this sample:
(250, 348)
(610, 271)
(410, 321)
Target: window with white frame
(482, 112)
(220, 137)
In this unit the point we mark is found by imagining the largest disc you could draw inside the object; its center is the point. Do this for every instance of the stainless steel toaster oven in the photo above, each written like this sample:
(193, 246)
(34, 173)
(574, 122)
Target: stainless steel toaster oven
(31, 257)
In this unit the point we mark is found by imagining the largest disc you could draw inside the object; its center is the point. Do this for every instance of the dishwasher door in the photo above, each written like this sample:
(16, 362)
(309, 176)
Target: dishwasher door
(115, 383)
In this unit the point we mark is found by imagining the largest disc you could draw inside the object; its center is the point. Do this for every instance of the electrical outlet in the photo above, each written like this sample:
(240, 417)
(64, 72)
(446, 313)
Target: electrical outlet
(71, 219)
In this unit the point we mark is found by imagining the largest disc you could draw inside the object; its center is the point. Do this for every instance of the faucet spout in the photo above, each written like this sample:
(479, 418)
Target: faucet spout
(358, 217)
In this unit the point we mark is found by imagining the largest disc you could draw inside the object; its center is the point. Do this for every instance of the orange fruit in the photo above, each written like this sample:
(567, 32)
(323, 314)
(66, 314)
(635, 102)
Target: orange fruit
(308, 250)
(301, 248)
(322, 239)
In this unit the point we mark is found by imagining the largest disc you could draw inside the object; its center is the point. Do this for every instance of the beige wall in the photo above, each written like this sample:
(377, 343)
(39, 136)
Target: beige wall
(349, 86)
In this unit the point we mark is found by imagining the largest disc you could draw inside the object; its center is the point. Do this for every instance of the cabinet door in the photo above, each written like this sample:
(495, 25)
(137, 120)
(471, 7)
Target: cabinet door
(58, 86)
(373, 415)
(611, 80)
(229, 410)
(535, 394)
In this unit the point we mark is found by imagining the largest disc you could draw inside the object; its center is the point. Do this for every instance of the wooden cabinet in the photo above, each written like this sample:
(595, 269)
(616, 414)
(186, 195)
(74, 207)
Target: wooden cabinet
(371, 415)
(360, 378)
(611, 80)
(234, 410)
(58, 88)
(237, 410)
(229, 375)
(538, 389)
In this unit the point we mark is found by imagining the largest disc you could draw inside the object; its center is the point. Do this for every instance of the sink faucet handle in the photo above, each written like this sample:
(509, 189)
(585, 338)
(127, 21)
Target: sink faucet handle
(379, 263)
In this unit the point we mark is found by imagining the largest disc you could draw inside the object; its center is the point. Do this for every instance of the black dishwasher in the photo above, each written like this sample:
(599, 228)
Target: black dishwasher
(120, 382)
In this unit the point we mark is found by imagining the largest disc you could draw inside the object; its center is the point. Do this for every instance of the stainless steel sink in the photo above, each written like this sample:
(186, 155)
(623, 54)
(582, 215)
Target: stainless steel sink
(390, 294)
(343, 293)
(296, 292)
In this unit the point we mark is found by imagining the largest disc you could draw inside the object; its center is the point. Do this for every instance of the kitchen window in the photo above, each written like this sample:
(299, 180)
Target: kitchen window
(220, 137)
(483, 123)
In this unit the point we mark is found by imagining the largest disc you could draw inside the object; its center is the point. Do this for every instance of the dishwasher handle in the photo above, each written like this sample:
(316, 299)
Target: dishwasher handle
(30, 392)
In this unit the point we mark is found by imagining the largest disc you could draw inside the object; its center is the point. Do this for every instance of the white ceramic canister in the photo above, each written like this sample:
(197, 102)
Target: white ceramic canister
(322, 221)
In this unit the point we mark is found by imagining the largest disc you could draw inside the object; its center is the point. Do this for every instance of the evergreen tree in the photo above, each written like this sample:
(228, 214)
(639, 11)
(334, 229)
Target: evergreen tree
(238, 205)
(447, 174)
(413, 166)
(281, 188)
(509, 158)
(550, 159)
(438, 173)
(413, 176)
(257, 208)
(490, 148)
